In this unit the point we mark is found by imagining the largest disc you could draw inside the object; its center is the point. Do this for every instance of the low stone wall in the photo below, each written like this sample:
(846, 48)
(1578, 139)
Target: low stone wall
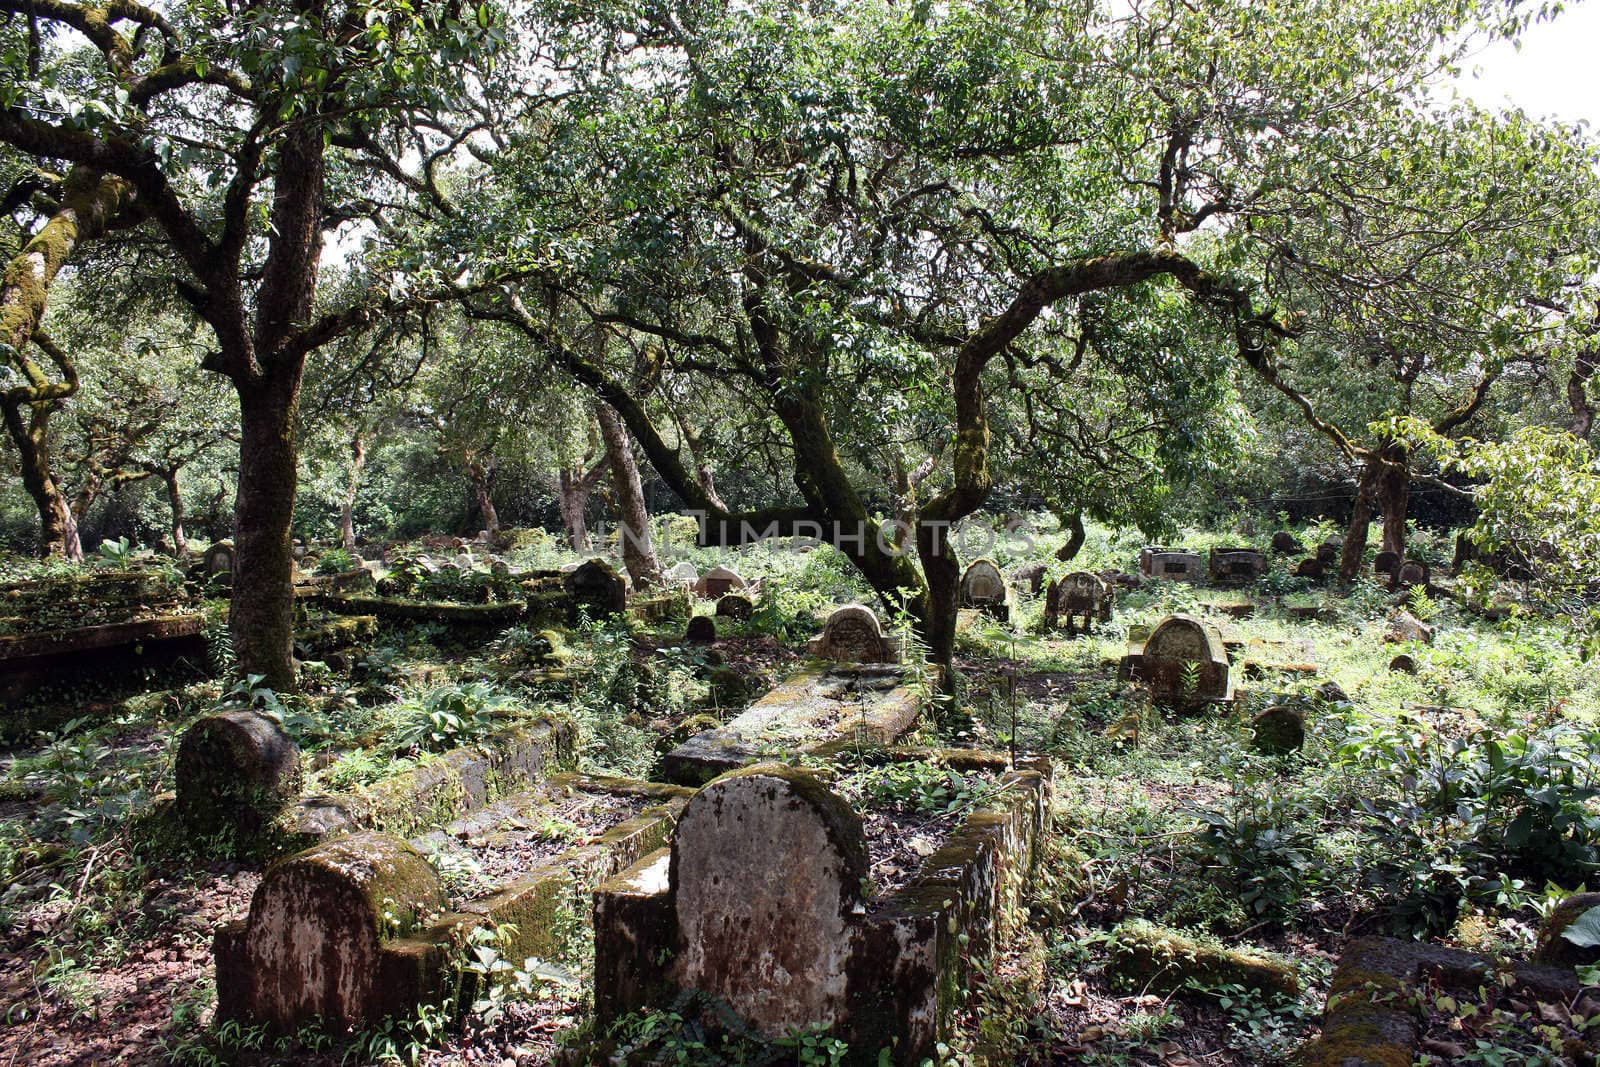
(450, 613)
(30, 660)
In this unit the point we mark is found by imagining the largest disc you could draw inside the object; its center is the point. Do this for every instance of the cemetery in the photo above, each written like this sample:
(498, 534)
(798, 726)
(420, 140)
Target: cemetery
(844, 534)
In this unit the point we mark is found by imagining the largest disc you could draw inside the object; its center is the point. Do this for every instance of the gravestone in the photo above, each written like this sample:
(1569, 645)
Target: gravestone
(1170, 565)
(1030, 576)
(1310, 567)
(982, 584)
(767, 871)
(218, 560)
(702, 630)
(1330, 550)
(1403, 664)
(719, 581)
(735, 606)
(597, 586)
(1079, 594)
(1184, 663)
(1412, 574)
(1278, 731)
(1236, 566)
(235, 771)
(1285, 543)
(1386, 564)
(681, 573)
(854, 635)
(312, 945)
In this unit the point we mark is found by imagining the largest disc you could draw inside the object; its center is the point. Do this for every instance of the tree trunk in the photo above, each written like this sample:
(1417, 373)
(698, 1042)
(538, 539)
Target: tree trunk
(261, 612)
(1583, 369)
(347, 510)
(1394, 497)
(478, 474)
(574, 487)
(941, 570)
(638, 551)
(180, 543)
(58, 529)
(1075, 537)
(1355, 537)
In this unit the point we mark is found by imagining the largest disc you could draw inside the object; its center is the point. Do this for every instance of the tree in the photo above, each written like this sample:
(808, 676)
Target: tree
(845, 214)
(247, 134)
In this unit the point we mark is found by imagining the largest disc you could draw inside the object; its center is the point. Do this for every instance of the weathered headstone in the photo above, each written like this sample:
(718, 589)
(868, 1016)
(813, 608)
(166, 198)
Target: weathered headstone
(1184, 663)
(598, 587)
(1413, 573)
(1330, 550)
(1385, 564)
(1285, 543)
(767, 867)
(1403, 664)
(735, 606)
(702, 629)
(1234, 566)
(982, 585)
(1310, 567)
(235, 771)
(681, 573)
(1279, 730)
(1171, 565)
(218, 560)
(1078, 595)
(311, 948)
(853, 634)
(719, 581)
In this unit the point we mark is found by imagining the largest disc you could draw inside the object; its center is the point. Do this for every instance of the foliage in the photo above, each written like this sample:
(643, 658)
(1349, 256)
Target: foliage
(450, 716)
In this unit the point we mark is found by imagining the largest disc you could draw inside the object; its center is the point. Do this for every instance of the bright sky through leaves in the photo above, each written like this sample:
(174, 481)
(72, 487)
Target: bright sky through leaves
(1553, 74)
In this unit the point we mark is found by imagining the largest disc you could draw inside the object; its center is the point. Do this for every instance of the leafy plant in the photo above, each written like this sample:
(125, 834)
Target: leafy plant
(450, 716)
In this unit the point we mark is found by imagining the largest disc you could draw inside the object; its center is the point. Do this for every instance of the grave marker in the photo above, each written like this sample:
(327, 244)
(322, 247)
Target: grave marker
(853, 634)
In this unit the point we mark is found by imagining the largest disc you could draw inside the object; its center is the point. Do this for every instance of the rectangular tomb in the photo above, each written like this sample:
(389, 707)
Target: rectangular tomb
(816, 708)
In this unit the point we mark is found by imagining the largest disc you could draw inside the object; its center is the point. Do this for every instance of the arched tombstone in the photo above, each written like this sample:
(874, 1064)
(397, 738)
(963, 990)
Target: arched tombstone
(312, 947)
(1079, 594)
(1278, 731)
(1185, 664)
(682, 573)
(217, 563)
(1386, 565)
(1412, 574)
(1310, 567)
(235, 771)
(853, 634)
(1330, 550)
(718, 582)
(597, 586)
(982, 585)
(702, 630)
(1030, 576)
(767, 867)
(735, 606)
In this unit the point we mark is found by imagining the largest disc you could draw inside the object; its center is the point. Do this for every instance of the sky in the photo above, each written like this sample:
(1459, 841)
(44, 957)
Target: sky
(1555, 74)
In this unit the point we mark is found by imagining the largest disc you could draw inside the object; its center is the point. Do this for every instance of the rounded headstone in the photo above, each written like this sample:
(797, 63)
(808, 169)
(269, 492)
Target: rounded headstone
(681, 573)
(852, 634)
(767, 868)
(1333, 693)
(235, 771)
(1413, 572)
(1030, 576)
(596, 585)
(735, 606)
(702, 629)
(317, 922)
(1279, 730)
(982, 584)
(1385, 564)
(1403, 664)
(1285, 543)
(1310, 567)
(719, 581)
(218, 560)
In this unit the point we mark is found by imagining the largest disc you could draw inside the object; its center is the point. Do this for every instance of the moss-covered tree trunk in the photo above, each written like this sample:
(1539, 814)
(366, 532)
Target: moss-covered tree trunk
(1361, 511)
(478, 473)
(58, 528)
(1393, 492)
(261, 611)
(1073, 523)
(180, 541)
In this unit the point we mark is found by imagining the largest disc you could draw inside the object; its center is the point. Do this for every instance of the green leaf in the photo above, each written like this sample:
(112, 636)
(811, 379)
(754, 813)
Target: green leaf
(1584, 931)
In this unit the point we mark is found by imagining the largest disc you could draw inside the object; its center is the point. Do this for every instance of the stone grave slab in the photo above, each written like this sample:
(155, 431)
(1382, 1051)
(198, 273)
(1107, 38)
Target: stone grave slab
(1236, 566)
(1078, 595)
(816, 708)
(1171, 565)
(719, 582)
